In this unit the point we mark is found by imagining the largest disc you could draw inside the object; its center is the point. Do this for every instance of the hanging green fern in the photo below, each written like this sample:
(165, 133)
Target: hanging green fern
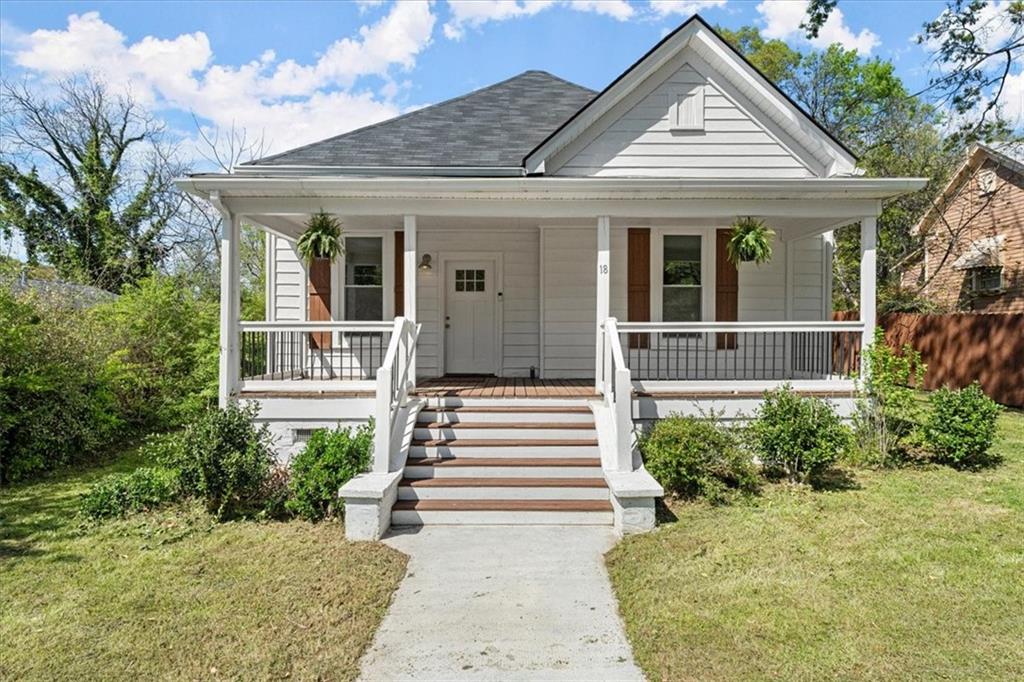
(322, 238)
(750, 242)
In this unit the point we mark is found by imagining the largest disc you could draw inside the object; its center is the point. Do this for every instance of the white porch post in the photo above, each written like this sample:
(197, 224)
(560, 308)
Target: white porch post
(409, 272)
(868, 275)
(230, 305)
(603, 291)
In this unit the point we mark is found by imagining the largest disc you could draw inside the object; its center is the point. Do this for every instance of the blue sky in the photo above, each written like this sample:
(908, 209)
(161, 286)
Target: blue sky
(301, 71)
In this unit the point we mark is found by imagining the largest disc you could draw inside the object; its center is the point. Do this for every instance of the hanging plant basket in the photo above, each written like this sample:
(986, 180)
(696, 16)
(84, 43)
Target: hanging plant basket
(322, 238)
(750, 242)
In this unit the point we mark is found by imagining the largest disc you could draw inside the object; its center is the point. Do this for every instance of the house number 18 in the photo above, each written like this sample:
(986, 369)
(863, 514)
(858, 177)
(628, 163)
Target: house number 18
(602, 268)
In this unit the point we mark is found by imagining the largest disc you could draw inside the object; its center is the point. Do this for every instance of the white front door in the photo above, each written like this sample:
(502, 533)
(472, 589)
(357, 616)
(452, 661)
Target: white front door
(469, 325)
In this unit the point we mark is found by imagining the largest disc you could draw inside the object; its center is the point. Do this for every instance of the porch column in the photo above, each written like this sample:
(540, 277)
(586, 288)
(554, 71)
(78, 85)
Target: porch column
(868, 275)
(230, 305)
(603, 291)
(409, 272)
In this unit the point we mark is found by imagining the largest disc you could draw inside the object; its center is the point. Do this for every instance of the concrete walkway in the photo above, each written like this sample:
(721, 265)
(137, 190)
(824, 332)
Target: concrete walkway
(502, 603)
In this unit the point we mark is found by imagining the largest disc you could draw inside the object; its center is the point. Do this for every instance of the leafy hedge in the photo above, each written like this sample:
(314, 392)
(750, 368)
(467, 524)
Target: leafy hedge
(74, 379)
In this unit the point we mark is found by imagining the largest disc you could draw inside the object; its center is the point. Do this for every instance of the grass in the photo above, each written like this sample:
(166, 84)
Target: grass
(175, 595)
(903, 574)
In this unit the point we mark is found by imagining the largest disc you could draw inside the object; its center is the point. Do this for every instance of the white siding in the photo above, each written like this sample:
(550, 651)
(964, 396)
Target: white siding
(286, 296)
(520, 300)
(570, 297)
(763, 288)
(640, 143)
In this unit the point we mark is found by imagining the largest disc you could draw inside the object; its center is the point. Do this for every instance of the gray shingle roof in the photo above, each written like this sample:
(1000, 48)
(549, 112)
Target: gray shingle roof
(494, 126)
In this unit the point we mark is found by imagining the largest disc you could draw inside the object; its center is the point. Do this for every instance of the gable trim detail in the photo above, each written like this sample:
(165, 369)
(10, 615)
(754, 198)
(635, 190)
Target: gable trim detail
(536, 161)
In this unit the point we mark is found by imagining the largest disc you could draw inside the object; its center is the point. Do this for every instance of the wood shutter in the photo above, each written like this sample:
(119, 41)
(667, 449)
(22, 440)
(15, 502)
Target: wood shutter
(319, 308)
(727, 287)
(399, 273)
(638, 281)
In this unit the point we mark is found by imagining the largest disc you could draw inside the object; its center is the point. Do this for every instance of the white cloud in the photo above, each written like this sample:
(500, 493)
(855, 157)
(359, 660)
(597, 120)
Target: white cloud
(782, 20)
(664, 8)
(617, 9)
(469, 14)
(1011, 102)
(290, 103)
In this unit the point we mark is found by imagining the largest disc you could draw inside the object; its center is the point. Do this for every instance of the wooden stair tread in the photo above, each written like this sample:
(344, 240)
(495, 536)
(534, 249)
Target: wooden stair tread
(508, 425)
(526, 409)
(503, 442)
(503, 482)
(504, 461)
(504, 505)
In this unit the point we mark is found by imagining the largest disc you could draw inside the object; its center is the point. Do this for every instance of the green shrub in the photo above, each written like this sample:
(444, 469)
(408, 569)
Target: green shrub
(962, 426)
(163, 367)
(888, 413)
(119, 494)
(56, 403)
(697, 458)
(796, 436)
(329, 460)
(223, 459)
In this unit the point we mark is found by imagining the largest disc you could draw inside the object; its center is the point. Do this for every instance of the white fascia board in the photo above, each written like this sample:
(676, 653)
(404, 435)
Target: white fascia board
(549, 187)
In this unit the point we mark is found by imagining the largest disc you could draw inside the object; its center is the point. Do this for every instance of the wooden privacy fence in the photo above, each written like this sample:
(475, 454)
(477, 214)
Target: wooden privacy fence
(960, 348)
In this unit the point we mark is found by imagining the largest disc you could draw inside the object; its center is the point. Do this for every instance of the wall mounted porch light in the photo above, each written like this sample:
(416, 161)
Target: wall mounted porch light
(425, 263)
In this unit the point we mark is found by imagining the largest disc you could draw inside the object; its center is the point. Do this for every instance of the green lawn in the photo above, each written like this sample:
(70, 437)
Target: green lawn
(909, 574)
(174, 595)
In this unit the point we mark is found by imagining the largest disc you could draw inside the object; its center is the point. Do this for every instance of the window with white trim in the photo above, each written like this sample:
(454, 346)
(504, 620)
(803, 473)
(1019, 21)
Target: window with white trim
(364, 278)
(681, 285)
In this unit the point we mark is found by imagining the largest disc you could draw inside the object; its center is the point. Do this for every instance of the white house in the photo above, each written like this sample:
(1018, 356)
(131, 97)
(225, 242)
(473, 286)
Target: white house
(534, 270)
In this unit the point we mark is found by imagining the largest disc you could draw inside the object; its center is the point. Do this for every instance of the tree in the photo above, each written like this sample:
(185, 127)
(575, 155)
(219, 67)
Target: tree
(86, 181)
(198, 255)
(974, 45)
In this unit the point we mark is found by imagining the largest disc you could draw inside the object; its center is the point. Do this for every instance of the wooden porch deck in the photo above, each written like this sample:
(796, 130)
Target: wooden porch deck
(503, 387)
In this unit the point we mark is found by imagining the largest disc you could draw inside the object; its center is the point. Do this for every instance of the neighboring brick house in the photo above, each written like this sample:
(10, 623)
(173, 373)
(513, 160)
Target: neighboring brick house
(974, 236)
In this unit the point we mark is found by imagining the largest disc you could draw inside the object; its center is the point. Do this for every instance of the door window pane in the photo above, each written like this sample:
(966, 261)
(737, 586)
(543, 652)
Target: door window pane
(469, 280)
(681, 279)
(364, 278)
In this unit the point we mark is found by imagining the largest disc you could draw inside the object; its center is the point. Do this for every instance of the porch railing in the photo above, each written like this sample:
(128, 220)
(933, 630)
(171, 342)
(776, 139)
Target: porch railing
(322, 351)
(741, 351)
(617, 387)
(395, 378)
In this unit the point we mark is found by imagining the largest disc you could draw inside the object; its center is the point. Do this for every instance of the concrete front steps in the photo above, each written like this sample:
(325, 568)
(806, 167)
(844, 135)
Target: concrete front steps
(503, 462)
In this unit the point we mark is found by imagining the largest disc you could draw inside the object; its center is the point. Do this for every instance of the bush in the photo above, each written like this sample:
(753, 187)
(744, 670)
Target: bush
(696, 457)
(962, 426)
(119, 494)
(799, 437)
(164, 366)
(56, 404)
(223, 459)
(888, 413)
(329, 460)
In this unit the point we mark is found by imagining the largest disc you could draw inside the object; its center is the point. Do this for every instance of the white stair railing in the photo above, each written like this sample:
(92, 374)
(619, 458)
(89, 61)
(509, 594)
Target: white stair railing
(617, 386)
(394, 382)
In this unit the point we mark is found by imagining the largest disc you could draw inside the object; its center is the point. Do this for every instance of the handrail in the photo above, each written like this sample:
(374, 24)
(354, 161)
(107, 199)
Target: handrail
(782, 326)
(618, 393)
(326, 326)
(394, 381)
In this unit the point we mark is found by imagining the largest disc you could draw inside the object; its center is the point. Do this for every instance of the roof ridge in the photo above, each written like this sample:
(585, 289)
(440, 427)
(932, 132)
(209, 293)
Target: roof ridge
(407, 114)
